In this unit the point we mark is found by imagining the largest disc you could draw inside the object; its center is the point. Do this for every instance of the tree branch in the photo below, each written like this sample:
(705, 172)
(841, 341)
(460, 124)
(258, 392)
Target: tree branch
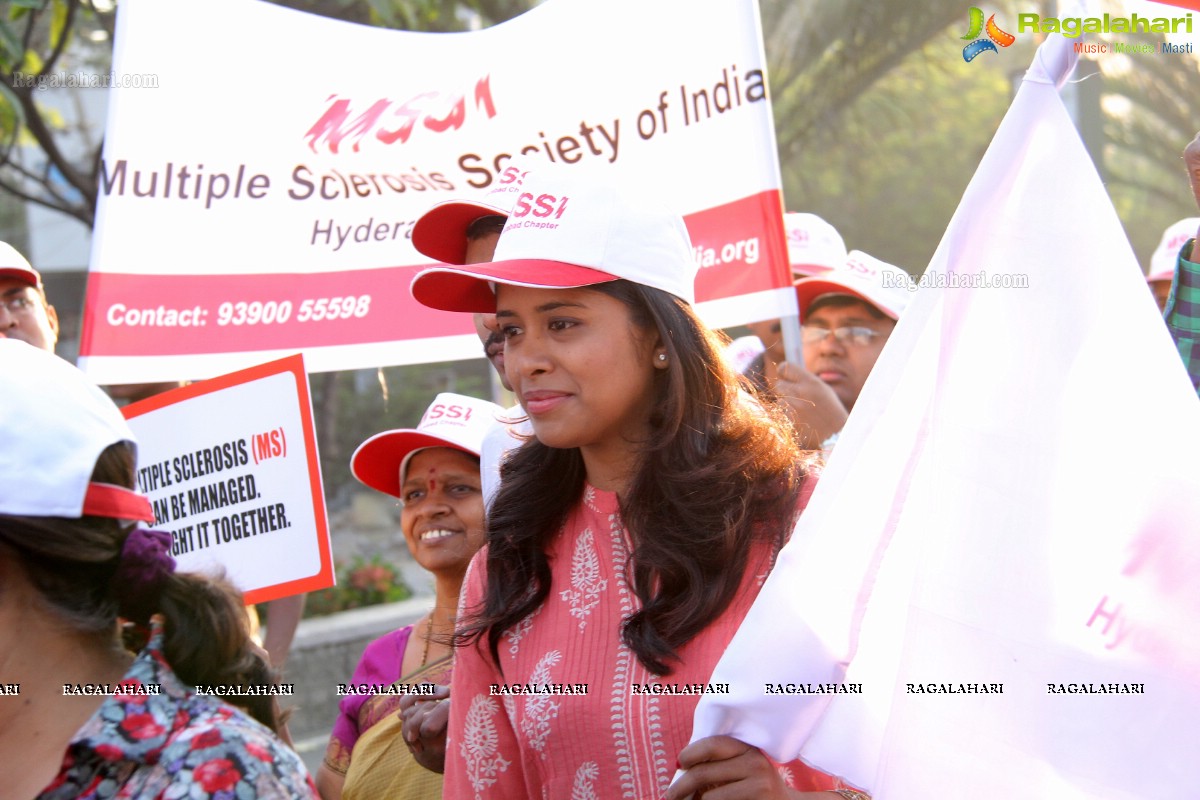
(63, 38)
(41, 132)
(78, 213)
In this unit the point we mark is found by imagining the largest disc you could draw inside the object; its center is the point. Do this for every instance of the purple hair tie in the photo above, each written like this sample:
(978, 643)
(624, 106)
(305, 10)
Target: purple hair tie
(145, 565)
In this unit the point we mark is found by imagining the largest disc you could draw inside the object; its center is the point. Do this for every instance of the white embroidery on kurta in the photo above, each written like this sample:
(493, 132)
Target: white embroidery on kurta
(516, 633)
(589, 499)
(659, 753)
(585, 782)
(786, 774)
(621, 699)
(761, 578)
(540, 709)
(480, 743)
(586, 583)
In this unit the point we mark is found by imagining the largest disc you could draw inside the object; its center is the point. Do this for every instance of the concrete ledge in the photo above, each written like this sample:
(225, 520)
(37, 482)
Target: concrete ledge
(371, 621)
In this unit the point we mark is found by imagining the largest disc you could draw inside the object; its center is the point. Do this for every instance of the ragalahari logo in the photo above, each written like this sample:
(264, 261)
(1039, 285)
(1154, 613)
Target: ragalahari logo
(995, 36)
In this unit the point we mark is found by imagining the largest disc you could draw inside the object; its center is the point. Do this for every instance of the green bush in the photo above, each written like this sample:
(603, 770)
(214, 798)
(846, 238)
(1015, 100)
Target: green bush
(364, 582)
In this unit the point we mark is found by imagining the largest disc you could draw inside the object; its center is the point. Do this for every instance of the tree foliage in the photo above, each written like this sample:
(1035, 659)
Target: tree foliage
(881, 136)
(888, 168)
(1150, 115)
(35, 36)
(436, 16)
(823, 54)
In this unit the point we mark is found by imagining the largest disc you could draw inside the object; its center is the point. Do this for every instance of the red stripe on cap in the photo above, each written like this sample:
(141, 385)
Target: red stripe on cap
(107, 500)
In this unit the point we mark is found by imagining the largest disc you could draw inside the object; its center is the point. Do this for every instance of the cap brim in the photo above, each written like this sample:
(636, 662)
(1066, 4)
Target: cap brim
(116, 502)
(808, 290)
(469, 287)
(376, 462)
(27, 276)
(441, 232)
(800, 271)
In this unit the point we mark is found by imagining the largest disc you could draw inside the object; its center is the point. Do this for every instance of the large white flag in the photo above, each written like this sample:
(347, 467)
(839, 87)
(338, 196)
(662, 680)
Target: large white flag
(1000, 561)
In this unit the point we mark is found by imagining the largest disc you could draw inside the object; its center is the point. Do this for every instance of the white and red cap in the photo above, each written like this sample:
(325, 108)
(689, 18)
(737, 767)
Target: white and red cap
(441, 232)
(742, 351)
(567, 230)
(864, 277)
(56, 425)
(452, 420)
(814, 246)
(14, 265)
(1162, 263)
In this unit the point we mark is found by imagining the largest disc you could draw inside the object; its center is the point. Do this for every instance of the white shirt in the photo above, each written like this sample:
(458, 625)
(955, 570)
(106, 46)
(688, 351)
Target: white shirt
(505, 434)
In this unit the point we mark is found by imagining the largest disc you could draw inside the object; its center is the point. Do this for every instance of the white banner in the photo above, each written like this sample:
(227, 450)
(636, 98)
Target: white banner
(262, 202)
(992, 593)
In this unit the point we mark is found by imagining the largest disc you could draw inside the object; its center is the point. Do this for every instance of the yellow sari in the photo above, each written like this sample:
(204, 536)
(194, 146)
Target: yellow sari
(381, 766)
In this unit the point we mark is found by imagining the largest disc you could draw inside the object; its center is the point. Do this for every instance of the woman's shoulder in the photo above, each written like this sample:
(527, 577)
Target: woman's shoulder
(390, 645)
(380, 660)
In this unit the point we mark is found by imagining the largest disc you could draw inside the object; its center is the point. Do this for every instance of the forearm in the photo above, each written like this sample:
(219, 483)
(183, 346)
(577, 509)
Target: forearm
(283, 616)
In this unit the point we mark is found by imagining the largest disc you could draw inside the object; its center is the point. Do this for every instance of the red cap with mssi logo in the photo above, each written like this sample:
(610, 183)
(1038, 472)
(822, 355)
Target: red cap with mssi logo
(567, 231)
(883, 285)
(452, 420)
(814, 246)
(441, 232)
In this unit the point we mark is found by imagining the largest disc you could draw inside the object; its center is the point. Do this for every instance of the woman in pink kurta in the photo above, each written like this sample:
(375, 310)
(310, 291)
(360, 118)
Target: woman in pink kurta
(630, 536)
(620, 739)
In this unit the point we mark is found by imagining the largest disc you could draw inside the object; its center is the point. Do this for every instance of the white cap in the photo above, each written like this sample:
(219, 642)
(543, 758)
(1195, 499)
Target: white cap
(56, 423)
(567, 230)
(862, 276)
(814, 246)
(441, 232)
(1162, 263)
(742, 351)
(14, 265)
(452, 420)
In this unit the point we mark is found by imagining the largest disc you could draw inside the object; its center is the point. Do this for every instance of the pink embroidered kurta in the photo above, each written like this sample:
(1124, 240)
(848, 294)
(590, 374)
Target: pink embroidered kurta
(621, 738)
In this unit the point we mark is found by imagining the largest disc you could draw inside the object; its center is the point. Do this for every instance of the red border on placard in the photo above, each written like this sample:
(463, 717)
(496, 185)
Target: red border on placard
(295, 365)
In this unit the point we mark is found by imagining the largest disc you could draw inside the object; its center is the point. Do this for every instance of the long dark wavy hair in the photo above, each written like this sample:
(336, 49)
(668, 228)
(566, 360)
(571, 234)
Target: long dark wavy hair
(72, 564)
(718, 472)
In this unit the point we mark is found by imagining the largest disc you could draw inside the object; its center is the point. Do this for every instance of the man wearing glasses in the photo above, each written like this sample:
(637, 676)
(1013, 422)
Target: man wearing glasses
(24, 312)
(846, 317)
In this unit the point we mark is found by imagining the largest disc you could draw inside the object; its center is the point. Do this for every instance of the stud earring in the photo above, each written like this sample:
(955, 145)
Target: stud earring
(662, 357)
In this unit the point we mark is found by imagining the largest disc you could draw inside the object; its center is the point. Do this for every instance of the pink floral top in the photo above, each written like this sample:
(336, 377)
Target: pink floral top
(571, 712)
(174, 744)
